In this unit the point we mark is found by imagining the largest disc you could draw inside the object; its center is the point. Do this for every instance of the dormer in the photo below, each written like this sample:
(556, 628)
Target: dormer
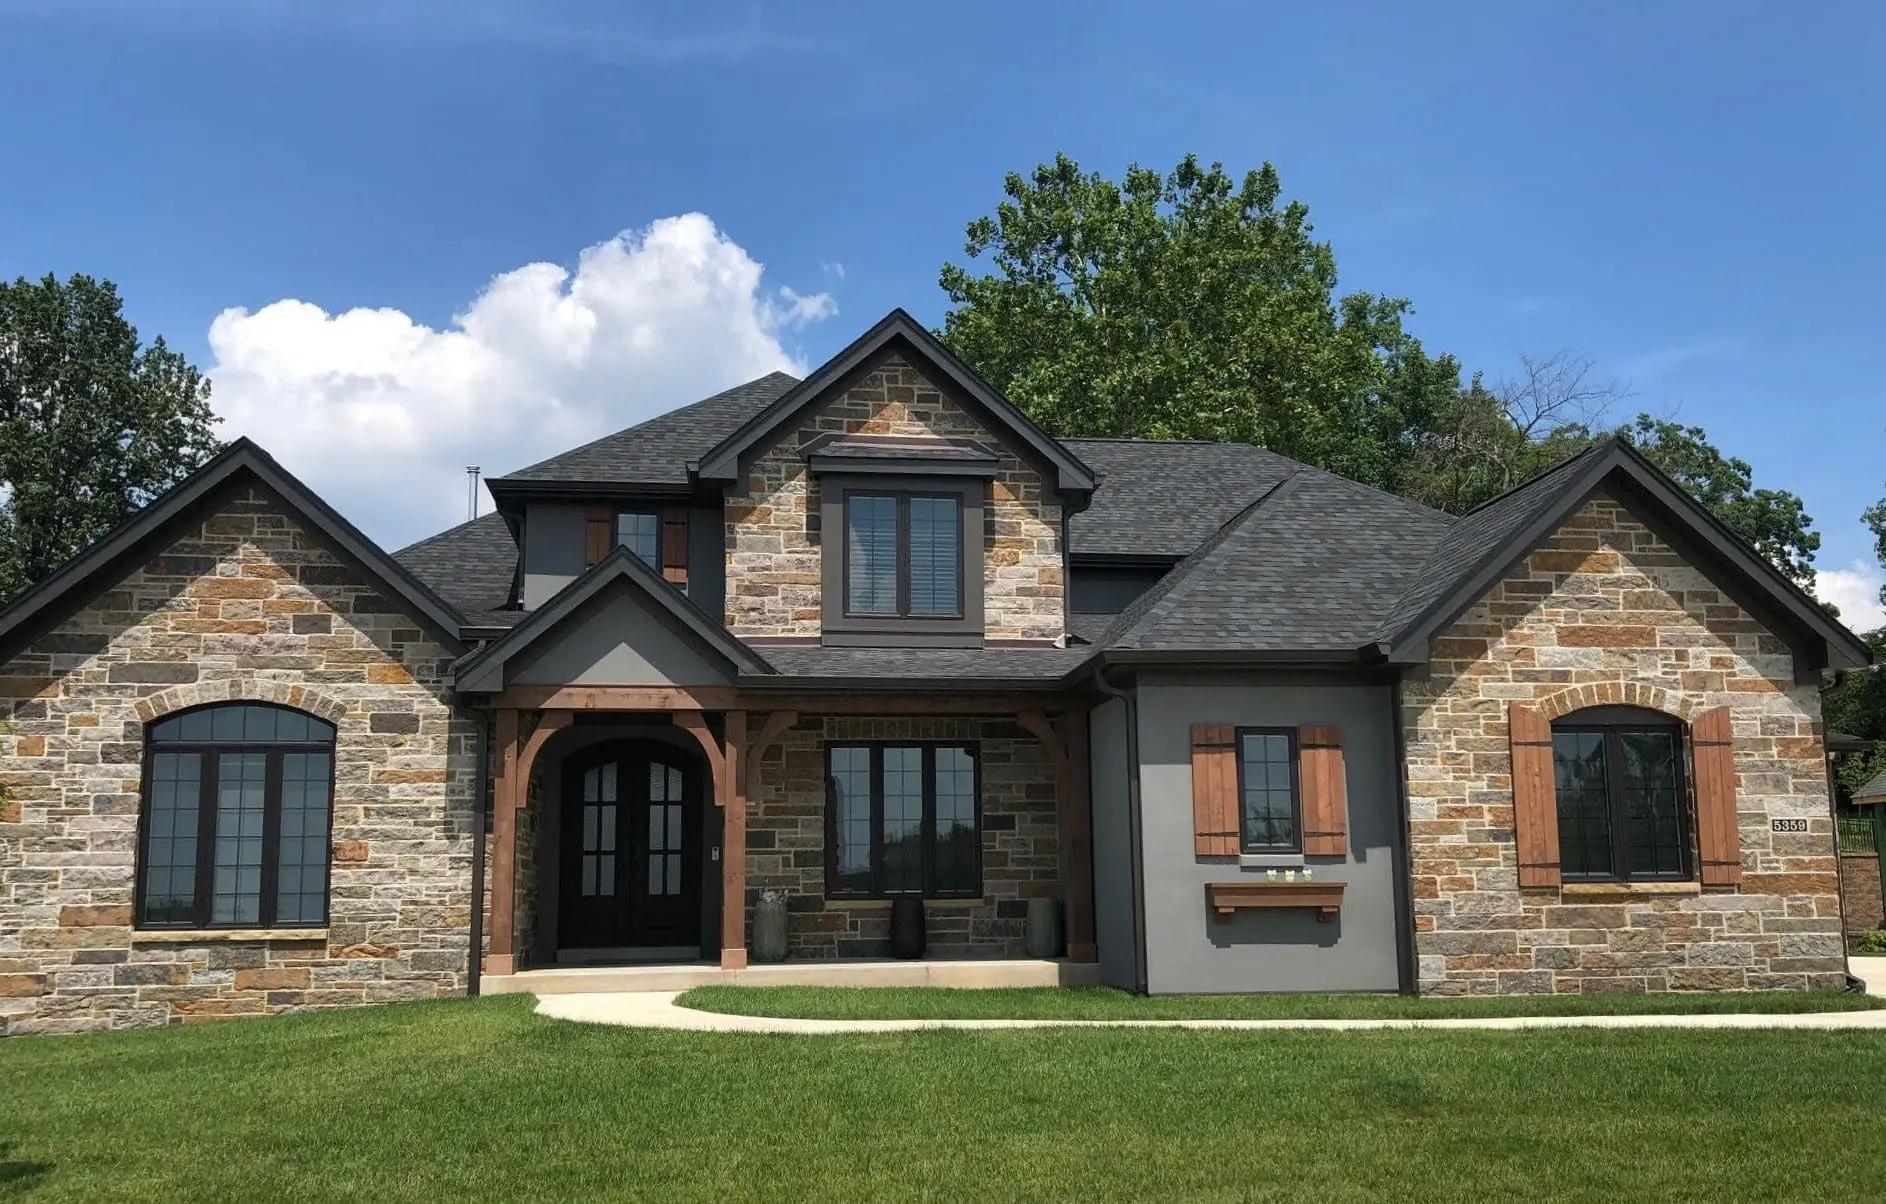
(893, 498)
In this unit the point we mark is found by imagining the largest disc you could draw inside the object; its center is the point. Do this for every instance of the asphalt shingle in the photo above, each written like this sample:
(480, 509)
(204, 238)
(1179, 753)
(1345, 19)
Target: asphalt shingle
(470, 566)
(1017, 665)
(1164, 499)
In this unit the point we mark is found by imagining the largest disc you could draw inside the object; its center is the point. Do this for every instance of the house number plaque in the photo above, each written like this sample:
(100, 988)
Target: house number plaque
(1789, 825)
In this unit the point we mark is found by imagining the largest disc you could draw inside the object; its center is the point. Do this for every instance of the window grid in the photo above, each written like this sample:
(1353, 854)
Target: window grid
(1269, 811)
(640, 532)
(903, 818)
(1621, 801)
(903, 555)
(235, 819)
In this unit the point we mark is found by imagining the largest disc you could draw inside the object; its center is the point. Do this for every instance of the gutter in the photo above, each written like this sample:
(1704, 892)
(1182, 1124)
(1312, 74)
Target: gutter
(1404, 878)
(1135, 857)
(474, 957)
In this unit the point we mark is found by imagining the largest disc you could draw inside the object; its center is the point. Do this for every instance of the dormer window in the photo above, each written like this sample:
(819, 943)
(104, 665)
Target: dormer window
(903, 554)
(640, 532)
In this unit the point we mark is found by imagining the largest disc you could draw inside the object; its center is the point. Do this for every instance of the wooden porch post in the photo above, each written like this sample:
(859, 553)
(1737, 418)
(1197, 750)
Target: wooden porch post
(733, 848)
(500, 957)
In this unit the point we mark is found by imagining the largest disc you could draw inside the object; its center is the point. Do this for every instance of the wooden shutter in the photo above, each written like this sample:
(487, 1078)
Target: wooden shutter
(600, 534)
(674, 544)
(1325, 790)
(1718, 832)
(1535, 796)
(1214, 790)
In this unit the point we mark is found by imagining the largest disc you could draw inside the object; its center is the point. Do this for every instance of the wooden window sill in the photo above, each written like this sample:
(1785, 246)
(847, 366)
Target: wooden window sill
(200, 936)
(1226, 898)
(1600, 890)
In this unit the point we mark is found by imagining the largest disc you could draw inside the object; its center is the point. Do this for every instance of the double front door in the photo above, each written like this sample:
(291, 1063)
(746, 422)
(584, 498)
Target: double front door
(631, 840)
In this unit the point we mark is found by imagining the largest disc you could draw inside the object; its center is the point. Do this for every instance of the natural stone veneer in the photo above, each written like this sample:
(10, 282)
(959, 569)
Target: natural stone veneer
(1605, 612)
(773, 579)
(248, 606)
(1020, 843)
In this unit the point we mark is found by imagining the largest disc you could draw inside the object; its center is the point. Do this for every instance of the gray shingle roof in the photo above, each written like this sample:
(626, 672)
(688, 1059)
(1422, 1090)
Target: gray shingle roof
(470, 566)
(1165, 499)
(1012, 666)
(1874, 791)
(1314, 565)
(657, 452)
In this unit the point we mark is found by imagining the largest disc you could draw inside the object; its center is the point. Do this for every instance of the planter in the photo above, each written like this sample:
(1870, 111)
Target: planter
(769, 929)
(907, 926)
(1044, 928)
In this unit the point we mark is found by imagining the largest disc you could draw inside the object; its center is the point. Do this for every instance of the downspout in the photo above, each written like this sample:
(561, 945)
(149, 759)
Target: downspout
(481, 788)
(1135, 858)
(1404, 876)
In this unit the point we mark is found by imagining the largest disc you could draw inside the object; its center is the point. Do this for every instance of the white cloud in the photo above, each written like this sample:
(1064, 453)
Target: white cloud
(1855, 590)
(380, 414)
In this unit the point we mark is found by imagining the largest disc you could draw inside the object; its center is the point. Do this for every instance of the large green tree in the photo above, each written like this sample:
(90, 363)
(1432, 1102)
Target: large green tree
(93, 423)
(1189, 304)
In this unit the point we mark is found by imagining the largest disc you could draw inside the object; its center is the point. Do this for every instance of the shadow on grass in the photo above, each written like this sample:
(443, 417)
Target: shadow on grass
(18, 1178)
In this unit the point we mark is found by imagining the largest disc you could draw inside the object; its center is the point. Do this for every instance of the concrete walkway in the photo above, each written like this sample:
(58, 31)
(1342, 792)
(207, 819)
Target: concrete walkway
(657, 1009)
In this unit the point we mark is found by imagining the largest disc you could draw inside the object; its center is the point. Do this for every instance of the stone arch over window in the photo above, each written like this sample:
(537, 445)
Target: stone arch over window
(283, 694)
(1617, 693)
(1621, 794)
(235, 817)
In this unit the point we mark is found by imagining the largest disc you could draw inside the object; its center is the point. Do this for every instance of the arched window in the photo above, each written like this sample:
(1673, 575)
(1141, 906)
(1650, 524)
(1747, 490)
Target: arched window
(1619, 774)
(234, 829)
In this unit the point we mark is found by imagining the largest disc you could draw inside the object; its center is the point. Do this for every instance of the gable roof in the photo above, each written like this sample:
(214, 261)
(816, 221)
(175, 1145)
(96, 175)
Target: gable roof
(146, 533)
(1309, 569)
(620, 565)
(896, 329)
(1873, 792)
(471, 566)
(1485, 543)
(655, 452)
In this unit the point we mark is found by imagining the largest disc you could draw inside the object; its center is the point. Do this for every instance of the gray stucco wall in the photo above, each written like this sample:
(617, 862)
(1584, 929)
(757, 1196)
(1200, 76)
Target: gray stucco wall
(616, 640)
(707, 559)
(1113, 845)
(553, 550)
(1189, 949)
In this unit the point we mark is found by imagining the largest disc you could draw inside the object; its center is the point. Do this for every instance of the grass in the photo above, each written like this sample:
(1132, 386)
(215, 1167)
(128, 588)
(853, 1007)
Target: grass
(480, 1099)
(1106, 1003)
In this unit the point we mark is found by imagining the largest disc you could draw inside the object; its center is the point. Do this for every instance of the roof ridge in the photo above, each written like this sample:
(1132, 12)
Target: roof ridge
(1169, 587)
(454, 529)
(1543, 474)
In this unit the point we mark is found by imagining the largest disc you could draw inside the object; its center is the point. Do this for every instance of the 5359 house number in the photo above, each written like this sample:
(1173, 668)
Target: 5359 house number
(1789, 825)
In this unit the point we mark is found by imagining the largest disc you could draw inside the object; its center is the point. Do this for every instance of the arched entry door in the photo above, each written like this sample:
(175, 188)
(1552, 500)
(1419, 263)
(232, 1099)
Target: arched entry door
(631, 846)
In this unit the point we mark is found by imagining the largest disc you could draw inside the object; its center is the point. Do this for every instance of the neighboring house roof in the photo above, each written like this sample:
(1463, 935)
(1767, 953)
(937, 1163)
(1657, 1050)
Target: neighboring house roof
(1312, 567)
(136, 540)
(1160, 500)
(1484, 544)
(471, 566)
(899, 331)
(1873, 792)
(898, 668)
(656, 452)
(1841, 742)
(483, 668)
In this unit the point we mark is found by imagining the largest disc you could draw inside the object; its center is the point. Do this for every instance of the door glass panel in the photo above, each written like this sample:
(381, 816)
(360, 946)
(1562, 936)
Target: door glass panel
(654, 874)
(655, 829)
(674, 873)
(674, 784)
(657, 783)
(609, 782)
(607, 841)
(674, 828)
(589, 785)
(236, 881)
(589, 828)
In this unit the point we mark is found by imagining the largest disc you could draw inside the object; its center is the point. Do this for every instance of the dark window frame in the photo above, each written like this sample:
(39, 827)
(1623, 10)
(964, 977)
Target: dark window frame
(649, 512)
(208, 770)
(1245, 844)
(840, 626)
(833, 887)
(901, 499)
(1612, 723)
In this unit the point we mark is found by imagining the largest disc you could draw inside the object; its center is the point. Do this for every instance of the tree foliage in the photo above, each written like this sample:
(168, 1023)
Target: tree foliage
(93, 424)
(1189, 305)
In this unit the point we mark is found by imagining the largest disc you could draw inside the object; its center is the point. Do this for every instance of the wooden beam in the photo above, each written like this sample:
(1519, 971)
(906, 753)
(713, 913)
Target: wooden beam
(501, 957)
(777, 724)
(1036, 724)
(733, 849)
(695, 724)
(618, 698)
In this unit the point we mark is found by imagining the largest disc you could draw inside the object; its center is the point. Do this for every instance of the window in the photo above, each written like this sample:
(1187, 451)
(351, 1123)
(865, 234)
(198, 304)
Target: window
(640, 532)
(902, 819)
(1269, 817)
(903, 555)
(1618, 775)
(235, 825)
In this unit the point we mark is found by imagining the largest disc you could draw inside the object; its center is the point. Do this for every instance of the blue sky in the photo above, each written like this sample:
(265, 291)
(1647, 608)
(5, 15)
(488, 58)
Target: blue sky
(1686, 193)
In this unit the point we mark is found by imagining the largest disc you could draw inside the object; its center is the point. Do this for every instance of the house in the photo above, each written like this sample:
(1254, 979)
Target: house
(873, 634)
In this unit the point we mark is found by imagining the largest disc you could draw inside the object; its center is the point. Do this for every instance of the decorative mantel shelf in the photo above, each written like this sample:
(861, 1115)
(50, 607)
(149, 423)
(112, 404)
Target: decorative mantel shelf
(1226, 898)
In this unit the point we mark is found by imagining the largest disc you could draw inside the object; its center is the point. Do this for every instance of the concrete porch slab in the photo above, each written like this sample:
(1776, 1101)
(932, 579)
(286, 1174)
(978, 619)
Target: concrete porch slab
(971, 973)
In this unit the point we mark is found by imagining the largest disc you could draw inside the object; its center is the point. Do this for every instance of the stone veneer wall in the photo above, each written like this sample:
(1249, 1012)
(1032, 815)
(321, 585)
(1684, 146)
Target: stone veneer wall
(773, 581)
(1020, 841)
(1605, 612)
(245, 607)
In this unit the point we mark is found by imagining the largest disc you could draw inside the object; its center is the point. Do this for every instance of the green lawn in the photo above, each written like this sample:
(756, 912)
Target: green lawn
(482, 1099)
(1106, 1003)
